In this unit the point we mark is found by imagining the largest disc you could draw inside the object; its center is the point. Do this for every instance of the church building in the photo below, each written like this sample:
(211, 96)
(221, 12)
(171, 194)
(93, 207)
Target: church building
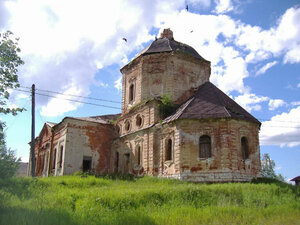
(175, 123)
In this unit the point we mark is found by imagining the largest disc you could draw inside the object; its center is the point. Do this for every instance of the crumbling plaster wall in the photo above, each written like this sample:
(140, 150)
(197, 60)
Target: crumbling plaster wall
(87, 139)
(172, 74)
(226, 163)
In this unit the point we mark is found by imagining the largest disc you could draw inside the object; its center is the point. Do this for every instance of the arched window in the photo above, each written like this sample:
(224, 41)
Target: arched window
(61, 156)
(245, 149)
(131, 93)
(169, 147)
(139, 155)
(205, 147)
(127, 125)
(54, 159)
(139, 121)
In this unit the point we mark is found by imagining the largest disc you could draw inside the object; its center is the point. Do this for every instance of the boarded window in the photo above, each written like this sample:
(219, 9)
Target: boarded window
(61, 156)
(245, 149)
(169, 147)
(131, 93)
(205, 147)
(86, 163)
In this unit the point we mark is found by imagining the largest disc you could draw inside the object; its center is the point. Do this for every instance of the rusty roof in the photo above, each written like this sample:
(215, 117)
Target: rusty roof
(210, 102)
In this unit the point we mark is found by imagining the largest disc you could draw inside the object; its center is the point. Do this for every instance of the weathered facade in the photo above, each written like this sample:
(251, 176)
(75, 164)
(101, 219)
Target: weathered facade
(207, 137)
(74, 144)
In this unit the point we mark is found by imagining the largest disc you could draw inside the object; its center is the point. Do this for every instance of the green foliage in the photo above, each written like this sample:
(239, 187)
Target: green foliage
(166, 107)
(147, 200)
(268, 168)
(9, 163)
(9, 63)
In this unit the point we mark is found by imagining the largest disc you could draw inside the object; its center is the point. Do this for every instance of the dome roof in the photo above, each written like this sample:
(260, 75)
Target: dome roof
(166, 43)
(170, 45)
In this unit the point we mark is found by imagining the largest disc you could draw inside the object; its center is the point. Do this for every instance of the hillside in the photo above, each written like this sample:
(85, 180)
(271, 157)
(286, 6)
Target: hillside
(90, 200)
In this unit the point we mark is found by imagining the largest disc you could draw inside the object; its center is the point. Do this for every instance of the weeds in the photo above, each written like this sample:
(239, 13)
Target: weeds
(117, 199)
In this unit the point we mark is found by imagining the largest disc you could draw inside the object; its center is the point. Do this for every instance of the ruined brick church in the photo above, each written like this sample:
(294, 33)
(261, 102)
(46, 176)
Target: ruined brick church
(207, 137)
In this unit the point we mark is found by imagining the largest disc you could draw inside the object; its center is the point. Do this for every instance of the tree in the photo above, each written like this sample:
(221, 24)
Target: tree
(9, 63)
(268, 167)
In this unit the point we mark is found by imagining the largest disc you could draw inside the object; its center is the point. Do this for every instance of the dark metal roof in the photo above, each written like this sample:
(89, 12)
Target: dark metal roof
(168, 45)
(295, 179)
(210, 102)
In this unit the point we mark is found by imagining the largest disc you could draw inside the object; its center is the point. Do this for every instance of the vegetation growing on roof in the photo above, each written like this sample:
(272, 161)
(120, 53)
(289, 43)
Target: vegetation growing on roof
(166, 106)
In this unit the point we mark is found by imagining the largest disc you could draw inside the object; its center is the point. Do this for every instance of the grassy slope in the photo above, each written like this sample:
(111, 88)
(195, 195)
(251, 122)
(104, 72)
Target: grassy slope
(75, 200)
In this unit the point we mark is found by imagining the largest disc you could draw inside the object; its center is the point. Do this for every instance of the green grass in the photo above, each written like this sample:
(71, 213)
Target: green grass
(91, 200)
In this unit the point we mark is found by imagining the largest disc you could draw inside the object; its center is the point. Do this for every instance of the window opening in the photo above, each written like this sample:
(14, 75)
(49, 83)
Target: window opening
(61, 156)
(54, 159)
(169, 150)
(245, 149)
(139, 120)
(139, 155)
(87, 163)
(131, 93)
(205, 147)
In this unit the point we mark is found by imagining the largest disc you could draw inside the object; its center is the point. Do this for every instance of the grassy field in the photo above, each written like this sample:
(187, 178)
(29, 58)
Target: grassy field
(91, 200)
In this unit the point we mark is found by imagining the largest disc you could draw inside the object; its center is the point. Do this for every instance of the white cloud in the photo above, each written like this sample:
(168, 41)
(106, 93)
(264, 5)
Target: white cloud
(22, 96)
(282, 129)
(250, 101)
(264, 69)
(118, 84)
(298, 85)
(283, 39)
(63, 47)
(59, 105)
(295, 103)
(223, 6)
(276, 103)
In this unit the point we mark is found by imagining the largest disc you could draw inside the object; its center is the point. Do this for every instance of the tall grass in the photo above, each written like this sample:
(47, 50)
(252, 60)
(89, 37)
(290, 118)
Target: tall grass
(91, 200)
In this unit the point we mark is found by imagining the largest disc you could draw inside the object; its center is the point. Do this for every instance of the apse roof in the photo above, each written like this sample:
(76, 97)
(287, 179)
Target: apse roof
(210, 102)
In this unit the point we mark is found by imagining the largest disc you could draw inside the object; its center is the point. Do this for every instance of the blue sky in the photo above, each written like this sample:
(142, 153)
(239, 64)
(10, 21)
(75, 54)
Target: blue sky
(76, 48)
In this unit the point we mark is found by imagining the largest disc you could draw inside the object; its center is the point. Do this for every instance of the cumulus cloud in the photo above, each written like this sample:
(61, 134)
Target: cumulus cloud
(118, 84)
(283, 39)
(250, 101)
(276, 103)
(63, 47)
(282, 129)
(223, 6)
(264, 69)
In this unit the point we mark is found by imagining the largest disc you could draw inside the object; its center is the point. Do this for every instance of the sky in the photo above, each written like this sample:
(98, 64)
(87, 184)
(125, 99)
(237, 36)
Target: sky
(76, 47)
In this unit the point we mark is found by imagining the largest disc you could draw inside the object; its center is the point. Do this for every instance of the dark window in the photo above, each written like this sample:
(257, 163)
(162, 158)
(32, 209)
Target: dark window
(127, 163)
(131, 92)
(86, 163)
(205, 147)
(61, 156)
(127, 125)
(169, 146)
(139, 156)
(245, 149)
(138, 120)
(117, 160)
(54, 159)
(118, 129)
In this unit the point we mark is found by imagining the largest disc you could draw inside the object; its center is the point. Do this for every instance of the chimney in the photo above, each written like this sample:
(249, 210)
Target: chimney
(167, 33)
